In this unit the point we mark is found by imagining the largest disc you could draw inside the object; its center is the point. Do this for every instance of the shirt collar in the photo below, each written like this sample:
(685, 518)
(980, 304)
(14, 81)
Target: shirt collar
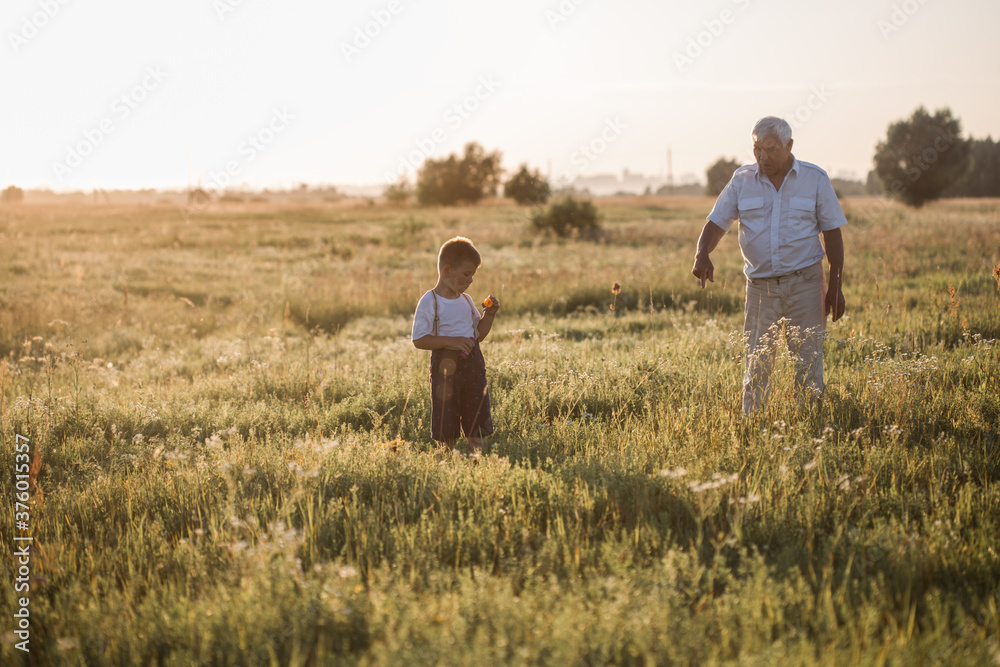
(795, 168)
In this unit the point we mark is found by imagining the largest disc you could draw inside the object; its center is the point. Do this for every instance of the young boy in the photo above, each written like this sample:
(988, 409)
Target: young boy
(448, 323)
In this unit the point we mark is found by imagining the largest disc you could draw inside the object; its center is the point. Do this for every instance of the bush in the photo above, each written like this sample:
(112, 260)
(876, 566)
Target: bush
(527, 188)
(568, 217)
(12, 195)
(455, 180)
(399, 192)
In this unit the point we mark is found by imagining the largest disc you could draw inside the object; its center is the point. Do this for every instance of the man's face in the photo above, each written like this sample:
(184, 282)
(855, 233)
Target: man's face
(771, 156)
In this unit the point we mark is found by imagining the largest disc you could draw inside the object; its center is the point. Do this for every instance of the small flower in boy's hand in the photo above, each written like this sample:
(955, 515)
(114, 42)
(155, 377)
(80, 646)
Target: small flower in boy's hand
(488, 303)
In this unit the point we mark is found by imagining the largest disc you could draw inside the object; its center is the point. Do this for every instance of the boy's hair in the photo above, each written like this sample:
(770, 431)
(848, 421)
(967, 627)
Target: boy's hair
(458, 250)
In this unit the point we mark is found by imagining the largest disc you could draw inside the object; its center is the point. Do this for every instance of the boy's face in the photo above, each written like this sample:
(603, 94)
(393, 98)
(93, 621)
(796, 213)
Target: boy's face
(458, 277)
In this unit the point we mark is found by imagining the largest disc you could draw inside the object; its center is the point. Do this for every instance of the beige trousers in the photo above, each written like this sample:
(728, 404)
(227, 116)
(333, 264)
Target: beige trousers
(795, 301)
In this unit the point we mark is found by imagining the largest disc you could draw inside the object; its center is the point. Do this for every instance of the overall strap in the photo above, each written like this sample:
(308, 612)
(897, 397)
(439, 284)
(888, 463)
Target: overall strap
(436, 319)
(474, 313)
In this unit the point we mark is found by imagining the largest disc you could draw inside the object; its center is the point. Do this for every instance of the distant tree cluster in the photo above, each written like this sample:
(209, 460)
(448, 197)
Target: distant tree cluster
(399, 192)
(12, 195)
(468, 179)
(983, 177)
(459, 180)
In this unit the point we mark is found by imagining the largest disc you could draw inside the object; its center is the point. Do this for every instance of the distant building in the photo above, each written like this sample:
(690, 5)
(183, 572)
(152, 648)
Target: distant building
(604, 185)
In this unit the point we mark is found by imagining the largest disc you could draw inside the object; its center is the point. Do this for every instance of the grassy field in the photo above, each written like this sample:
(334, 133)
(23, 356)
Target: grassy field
(230, 461)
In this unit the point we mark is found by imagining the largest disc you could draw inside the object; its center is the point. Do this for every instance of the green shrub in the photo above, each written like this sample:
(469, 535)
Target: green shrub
(398, 193)
(527, 188)
(568, 217)
(459, 180)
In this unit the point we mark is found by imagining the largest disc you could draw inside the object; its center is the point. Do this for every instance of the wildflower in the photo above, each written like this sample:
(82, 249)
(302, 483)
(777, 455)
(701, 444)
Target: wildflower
(718, 480)
(616, 288)
(673, 474)
(67, 643)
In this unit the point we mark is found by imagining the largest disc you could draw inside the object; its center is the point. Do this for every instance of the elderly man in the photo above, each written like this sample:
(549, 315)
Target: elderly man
(782, 205)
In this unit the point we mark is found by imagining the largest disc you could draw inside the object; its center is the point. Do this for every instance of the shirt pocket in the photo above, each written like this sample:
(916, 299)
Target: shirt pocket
(748, 204)
(802, 218)
(752, 220)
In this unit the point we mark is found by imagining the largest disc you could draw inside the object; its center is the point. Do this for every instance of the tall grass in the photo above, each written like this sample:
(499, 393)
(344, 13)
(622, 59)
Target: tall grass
(236, 465)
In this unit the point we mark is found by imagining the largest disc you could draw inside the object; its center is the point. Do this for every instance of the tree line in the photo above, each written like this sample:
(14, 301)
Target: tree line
(922, 158)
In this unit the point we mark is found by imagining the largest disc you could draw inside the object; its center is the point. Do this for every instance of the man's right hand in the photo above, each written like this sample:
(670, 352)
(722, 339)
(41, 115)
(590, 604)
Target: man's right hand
(703, 269)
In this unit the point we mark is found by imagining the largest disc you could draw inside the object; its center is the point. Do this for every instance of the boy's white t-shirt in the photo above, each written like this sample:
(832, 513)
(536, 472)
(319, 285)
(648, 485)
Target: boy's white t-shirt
(456, 317)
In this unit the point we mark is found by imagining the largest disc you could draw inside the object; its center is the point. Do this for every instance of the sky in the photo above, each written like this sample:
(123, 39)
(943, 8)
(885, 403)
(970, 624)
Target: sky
(129, 94)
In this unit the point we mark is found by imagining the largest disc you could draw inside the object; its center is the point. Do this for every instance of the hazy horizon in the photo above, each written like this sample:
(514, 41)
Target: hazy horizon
(257, 94)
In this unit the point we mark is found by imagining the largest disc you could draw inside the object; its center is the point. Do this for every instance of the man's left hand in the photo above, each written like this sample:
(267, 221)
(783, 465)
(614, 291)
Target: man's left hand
(835, 303)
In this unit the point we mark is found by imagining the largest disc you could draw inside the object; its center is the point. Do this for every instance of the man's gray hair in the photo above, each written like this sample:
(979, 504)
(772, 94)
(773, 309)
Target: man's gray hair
(772, 126)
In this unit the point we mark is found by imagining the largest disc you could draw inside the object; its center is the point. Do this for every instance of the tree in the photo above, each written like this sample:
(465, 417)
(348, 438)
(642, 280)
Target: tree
(455, 180)
(873, 186)
(526, 187)
(983, 179)
(399, 192)
(719, 174)
(922, 156)
(12, 195)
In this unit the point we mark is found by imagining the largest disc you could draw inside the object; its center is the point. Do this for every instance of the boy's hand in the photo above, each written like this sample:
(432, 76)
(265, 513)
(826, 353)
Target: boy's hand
(491, 304)
(463, 345)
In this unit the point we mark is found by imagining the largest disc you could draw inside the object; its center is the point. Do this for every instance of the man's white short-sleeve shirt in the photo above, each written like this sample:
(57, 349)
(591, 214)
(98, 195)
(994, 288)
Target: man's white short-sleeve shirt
(779, 230)
(457, 318)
